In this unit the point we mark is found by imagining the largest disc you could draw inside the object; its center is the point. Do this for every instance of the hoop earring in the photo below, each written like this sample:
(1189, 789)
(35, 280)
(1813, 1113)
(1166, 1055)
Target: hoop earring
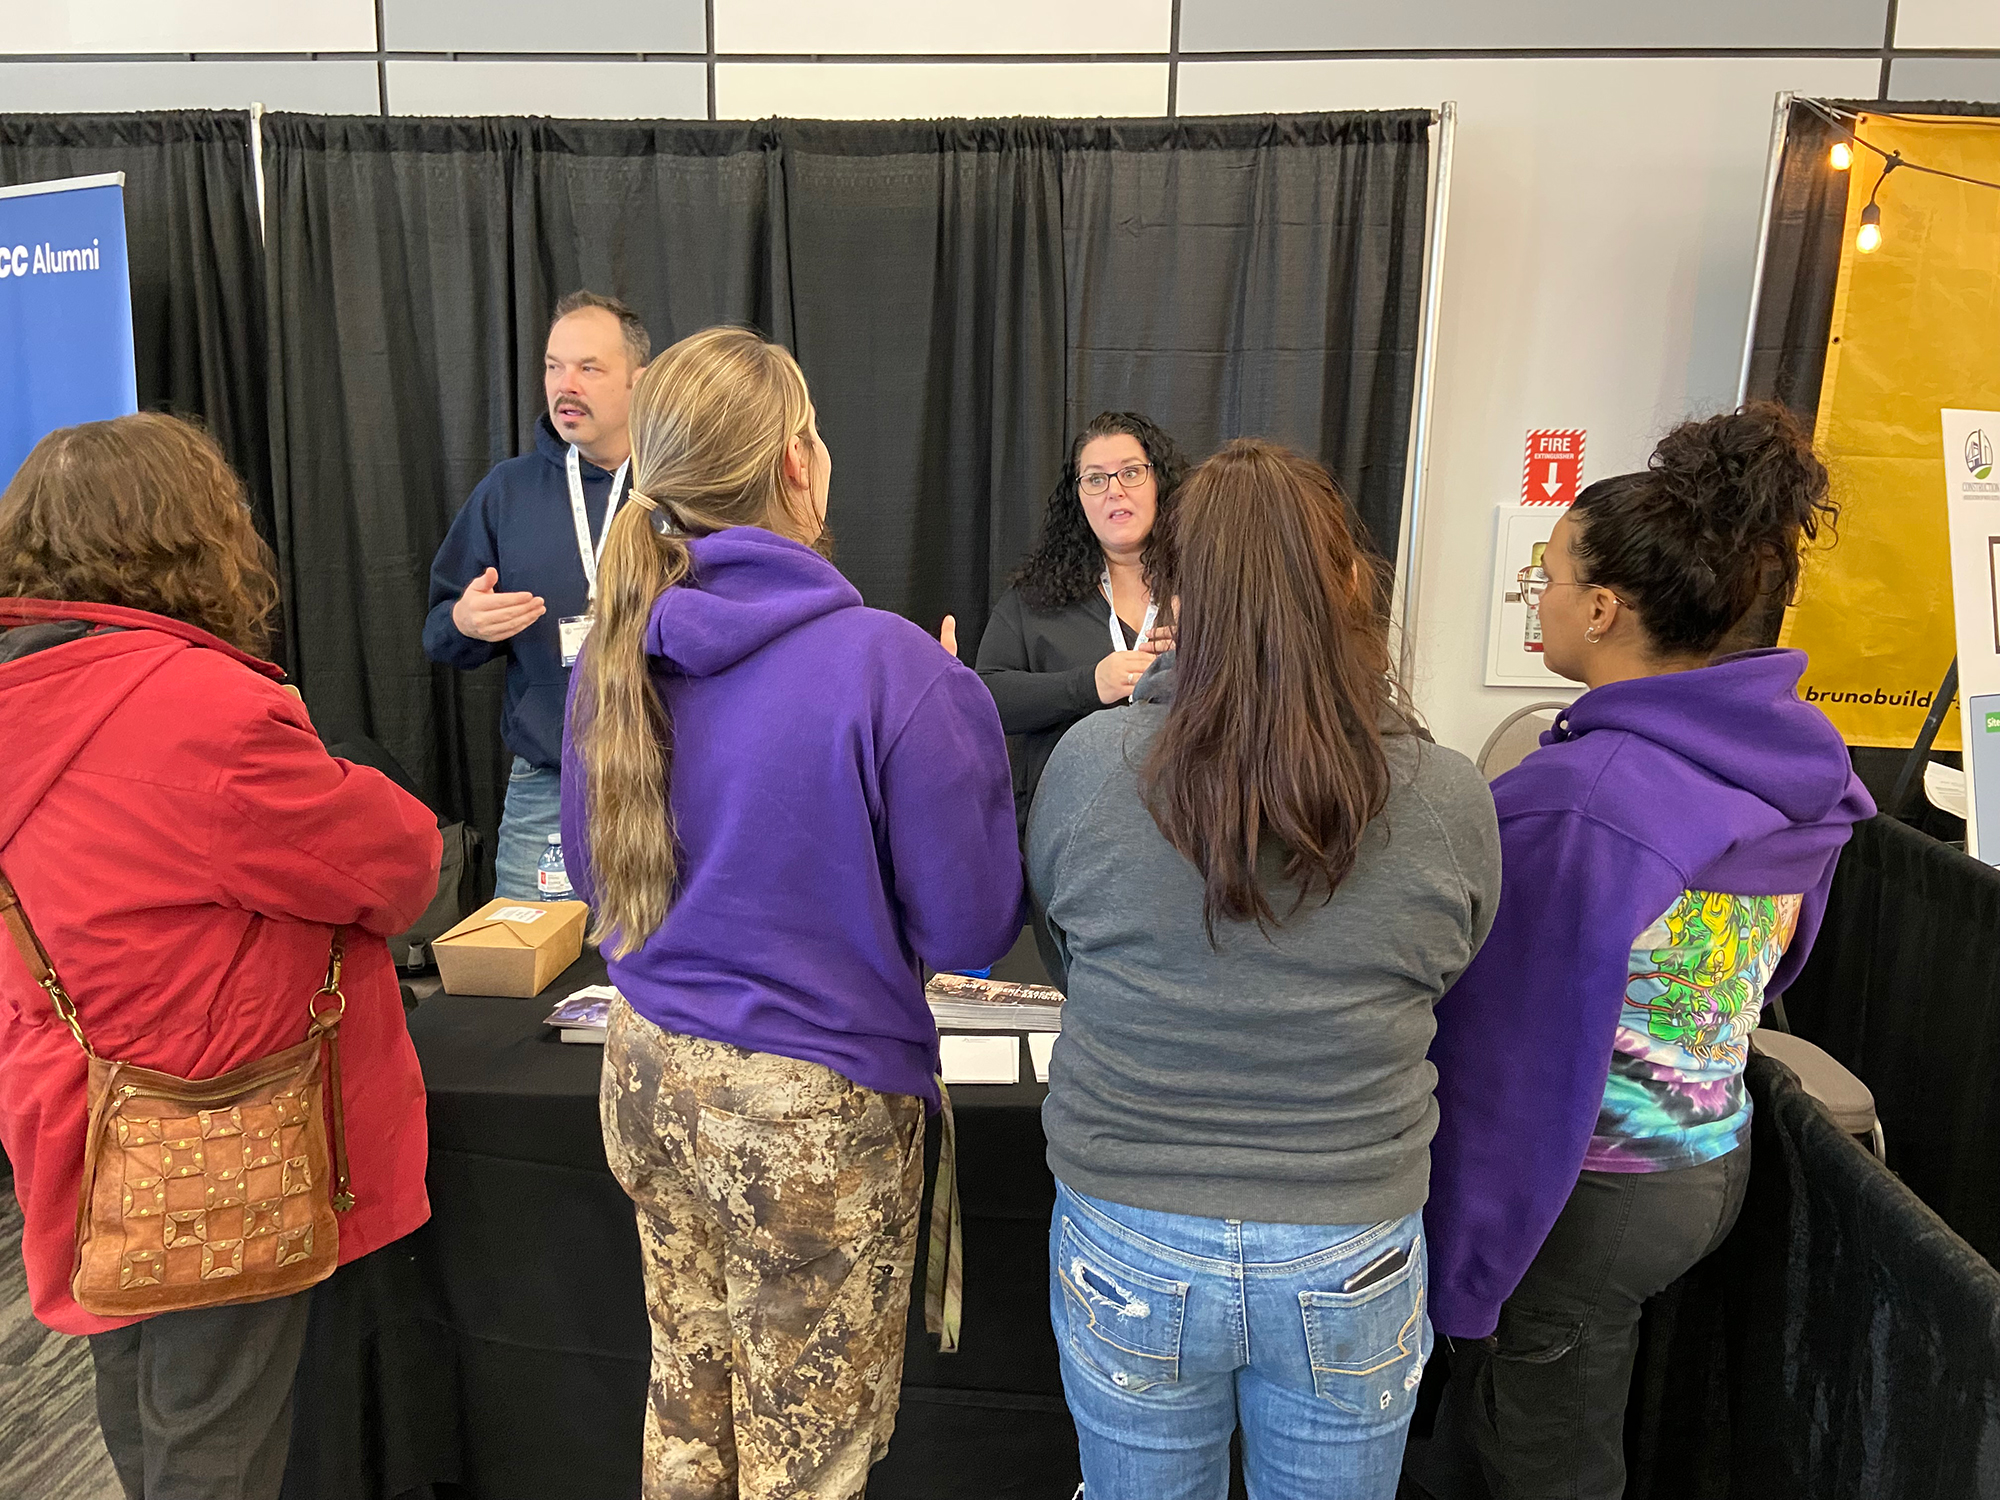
(1593, 637)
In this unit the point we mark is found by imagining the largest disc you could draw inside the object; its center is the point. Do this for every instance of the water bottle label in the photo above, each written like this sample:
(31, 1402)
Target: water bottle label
(552, 883)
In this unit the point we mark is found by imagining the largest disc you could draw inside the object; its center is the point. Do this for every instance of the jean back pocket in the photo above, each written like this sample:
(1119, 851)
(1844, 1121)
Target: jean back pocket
(1367, 1346)
(1122, 1322)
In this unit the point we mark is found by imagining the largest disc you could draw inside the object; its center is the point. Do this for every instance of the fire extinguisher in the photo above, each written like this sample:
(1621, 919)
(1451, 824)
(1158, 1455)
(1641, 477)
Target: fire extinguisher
(1532, 632)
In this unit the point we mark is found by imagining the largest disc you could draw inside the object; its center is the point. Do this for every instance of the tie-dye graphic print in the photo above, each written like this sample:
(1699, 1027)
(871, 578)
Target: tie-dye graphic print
(1675, 1097)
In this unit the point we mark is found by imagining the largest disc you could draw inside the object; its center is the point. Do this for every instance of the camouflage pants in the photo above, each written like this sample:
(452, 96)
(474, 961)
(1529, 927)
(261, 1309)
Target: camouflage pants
(778, 1207)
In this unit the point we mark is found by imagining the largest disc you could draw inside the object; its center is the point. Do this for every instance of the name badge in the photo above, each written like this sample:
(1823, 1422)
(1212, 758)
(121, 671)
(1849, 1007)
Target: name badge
(575, 631)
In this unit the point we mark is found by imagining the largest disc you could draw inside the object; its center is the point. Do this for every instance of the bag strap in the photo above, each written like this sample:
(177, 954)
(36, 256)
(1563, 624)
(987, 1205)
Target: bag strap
(40, 969)
(326, 1025)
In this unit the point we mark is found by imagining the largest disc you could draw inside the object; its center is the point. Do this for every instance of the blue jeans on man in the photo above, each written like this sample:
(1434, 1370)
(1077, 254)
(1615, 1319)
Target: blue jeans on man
(1174, 1331)
(532, 812)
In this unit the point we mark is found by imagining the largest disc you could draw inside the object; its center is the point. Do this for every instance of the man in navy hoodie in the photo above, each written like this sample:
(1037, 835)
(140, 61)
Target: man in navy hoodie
(517, 570)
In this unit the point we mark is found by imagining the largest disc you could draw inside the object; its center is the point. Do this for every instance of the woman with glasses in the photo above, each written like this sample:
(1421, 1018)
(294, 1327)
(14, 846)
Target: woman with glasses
(1083, 617)
(1668, 852)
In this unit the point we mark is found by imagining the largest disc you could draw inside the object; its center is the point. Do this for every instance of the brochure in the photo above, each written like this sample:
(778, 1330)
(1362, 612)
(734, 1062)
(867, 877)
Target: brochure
(960, 1002)
(584, 1015)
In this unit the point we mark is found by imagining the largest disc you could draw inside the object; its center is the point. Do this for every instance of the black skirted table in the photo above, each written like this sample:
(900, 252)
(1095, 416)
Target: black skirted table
(1843, 1341)
(503, 1348)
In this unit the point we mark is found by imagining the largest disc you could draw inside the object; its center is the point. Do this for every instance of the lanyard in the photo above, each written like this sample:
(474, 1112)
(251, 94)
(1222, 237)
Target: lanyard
(589, 554)
(1118, 629)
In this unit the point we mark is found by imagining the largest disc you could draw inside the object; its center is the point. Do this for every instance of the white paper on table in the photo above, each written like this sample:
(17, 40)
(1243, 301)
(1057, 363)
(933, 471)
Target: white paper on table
(980, 1059)
(1041, 1047)
(1944, 788)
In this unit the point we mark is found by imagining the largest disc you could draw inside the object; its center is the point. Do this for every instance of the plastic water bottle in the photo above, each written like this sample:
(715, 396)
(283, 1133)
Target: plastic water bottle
(551, 875)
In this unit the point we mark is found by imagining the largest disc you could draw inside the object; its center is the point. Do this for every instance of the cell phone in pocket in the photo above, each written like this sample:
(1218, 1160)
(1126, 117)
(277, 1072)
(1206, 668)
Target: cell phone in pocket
(1381, 1268)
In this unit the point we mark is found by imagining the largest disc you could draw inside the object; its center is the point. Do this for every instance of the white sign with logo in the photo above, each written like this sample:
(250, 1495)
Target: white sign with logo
(1972, 509)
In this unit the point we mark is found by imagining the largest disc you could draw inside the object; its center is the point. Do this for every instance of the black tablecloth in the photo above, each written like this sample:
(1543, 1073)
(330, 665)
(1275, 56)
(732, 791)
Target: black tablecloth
(502, 1348)
(1842, 1342)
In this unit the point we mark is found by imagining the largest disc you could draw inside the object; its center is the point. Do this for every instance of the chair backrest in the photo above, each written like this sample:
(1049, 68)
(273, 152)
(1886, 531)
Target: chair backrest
(1517, 734)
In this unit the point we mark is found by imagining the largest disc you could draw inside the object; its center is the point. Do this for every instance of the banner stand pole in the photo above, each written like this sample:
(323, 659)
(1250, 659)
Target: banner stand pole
(1913, 762)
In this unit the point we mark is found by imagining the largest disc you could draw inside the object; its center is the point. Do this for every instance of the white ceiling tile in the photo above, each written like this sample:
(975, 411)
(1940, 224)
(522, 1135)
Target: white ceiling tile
(870, 27)
(127, 26)
(927, 91)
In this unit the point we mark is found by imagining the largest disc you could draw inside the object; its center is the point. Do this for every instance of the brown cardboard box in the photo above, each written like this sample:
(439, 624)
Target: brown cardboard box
(511, 947)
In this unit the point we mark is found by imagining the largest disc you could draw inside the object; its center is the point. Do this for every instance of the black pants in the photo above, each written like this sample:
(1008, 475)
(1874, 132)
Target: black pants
(1546, 1406)
(197, 1405)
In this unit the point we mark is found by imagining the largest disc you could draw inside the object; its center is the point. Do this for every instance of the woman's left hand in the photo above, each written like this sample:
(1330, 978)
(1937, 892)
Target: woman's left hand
(1159, 640)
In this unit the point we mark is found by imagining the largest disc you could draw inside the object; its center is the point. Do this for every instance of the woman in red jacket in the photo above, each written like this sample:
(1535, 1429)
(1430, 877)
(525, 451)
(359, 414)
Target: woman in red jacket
(185, 848)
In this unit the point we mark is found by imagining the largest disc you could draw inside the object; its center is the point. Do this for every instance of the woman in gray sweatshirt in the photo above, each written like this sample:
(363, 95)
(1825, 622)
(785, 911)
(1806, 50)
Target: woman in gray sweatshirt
(1260, 876)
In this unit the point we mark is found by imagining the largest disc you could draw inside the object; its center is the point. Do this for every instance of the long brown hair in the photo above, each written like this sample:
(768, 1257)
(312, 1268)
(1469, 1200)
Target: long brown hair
(712, 419)
(1282, 683)
(143, 512)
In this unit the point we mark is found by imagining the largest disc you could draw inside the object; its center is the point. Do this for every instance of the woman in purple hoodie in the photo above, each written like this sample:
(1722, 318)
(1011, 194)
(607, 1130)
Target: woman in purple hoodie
(1666, 858)
(780, 802)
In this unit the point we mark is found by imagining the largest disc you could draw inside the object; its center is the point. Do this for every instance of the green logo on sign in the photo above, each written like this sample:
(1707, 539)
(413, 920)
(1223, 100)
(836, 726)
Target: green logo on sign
(1993, 722)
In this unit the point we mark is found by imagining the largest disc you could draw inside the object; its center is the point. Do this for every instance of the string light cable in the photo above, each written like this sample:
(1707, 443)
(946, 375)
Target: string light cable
(1868, 237)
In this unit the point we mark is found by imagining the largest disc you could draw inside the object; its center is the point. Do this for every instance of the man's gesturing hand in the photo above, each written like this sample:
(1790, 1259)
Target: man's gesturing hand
(487, 616)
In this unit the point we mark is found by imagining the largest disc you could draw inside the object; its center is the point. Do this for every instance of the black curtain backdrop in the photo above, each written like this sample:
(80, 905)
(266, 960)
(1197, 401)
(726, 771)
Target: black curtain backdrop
(196, 264)
(962, 295)
(1903, 987)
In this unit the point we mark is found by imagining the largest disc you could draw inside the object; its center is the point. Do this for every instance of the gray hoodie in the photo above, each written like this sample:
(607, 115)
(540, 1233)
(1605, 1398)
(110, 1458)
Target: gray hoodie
(1280, 1076)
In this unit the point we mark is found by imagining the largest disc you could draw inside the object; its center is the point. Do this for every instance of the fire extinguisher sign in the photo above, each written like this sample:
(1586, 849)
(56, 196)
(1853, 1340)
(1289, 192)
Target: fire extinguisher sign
(1553, 467)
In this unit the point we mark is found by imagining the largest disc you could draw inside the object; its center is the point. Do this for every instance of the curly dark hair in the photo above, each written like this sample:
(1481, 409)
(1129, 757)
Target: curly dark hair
(1711, 529)
(1067, 560)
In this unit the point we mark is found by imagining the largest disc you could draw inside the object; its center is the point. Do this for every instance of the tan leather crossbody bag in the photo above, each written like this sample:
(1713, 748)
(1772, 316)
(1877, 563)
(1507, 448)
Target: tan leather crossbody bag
(202, 1193)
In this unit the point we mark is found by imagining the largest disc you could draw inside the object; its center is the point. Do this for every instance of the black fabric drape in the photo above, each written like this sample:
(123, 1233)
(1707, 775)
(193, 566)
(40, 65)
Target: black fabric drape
(1904, 988)
(196, 263)
(1255, 277)
(960, 294)
(1801, 264)
(1842, 1342)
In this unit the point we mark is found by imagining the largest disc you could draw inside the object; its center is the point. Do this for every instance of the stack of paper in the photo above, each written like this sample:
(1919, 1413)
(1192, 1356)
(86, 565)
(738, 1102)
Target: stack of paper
(583, 1016)
(961, 1002)
(980, 1059)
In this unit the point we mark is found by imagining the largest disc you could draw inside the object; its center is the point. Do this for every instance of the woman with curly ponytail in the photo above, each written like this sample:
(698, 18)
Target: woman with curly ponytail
(781, 804)
(1668, 852)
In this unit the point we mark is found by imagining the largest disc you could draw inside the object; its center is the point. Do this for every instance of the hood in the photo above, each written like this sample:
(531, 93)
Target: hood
(553, 446)
(1156, 684)
(53, 701)
(749, 586)
(550, 444)
(1740, 719)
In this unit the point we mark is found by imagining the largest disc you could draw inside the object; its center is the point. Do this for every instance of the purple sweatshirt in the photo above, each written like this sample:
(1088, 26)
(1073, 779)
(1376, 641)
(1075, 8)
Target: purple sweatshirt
(841, 795)
(1719, 779)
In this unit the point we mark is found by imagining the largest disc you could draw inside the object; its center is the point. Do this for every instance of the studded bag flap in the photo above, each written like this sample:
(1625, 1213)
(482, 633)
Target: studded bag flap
(199, 1193)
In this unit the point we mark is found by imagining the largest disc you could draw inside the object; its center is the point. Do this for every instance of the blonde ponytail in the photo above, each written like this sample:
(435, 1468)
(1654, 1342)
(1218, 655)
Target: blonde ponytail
(624, 735)
(711, 422)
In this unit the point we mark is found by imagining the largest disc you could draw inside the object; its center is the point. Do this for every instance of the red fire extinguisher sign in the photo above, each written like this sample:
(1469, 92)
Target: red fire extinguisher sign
(1553, 467)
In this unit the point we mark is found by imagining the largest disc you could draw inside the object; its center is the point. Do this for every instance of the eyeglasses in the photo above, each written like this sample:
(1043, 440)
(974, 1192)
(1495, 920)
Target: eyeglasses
(1539, 583)
(1131, 477)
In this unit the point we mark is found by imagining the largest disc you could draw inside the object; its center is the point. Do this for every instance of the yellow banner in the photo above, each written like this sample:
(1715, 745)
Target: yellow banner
(1916, 327)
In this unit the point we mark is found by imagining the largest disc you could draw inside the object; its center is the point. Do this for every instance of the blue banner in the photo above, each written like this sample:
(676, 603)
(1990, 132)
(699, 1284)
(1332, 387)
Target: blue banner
(65, 310)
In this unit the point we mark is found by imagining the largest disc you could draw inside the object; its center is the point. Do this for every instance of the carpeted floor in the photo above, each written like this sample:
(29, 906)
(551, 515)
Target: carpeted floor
(50, 1448)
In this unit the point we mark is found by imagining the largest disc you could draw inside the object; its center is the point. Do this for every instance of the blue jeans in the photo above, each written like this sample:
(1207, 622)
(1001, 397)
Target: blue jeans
(533, 811)
(1176, 1330)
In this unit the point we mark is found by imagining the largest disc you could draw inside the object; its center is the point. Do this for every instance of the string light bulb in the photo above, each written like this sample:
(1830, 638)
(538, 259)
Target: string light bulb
(1868, 238)
(1842, 156)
